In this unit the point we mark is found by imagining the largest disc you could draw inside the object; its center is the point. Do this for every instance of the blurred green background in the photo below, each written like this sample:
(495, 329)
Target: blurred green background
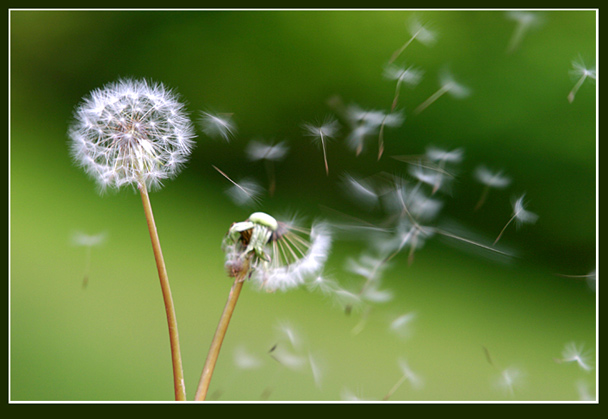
(275, 70)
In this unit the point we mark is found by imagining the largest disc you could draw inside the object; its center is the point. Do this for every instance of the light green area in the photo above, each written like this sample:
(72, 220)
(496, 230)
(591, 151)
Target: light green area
(276, 70)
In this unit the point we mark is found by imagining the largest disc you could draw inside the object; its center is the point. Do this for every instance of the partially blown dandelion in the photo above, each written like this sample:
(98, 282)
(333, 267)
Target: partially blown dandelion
(274, 255)
(133, 132)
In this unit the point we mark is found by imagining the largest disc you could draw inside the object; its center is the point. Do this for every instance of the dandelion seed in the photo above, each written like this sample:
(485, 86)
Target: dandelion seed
(269, 153)
(244, 193)
(244, 360)
(442, 158)
(447, 85)
(281, 255)
(520, 215)
(218, 125)
(583, 73)
(87, 241)
(316, 369)
(509, 379)
(584, 393)
(418, 32)
(576, 353)
(361, 191)
(322, 133)
(288, 359)
(490, 180)
(258, 150)
(401, 325)
(131, 132)
(410, 76)
(407, 375)
(366, 123)
(524, 20)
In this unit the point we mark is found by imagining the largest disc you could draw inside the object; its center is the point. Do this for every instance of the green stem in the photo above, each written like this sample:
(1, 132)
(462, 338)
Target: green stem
(220, 333)
(178, 373)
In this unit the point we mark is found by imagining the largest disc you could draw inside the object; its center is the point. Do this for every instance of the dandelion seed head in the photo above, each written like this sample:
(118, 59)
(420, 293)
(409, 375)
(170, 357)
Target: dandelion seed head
(218, 125)
(131, 132)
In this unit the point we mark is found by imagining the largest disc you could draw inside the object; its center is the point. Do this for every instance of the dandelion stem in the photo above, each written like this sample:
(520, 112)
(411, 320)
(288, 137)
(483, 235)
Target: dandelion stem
(575, 88)
(178, 373)
(395, 388)
(324, 154)
(220, 333)
(504, 228)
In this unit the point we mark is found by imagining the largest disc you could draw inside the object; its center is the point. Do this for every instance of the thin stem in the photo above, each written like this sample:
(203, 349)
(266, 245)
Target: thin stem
(178, 373)
(220, 333)
(504, 228)
(395, 388)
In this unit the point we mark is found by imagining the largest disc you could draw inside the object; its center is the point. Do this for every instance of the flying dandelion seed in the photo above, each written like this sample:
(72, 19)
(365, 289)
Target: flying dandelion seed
(509, 379)
(580, 71)
(417, 32)
(409, 76)
(441, 158)
(402, 325)
(524, 21)
(584, 393)
(88, 241)
(245, 360)
(322, 133)
(218, 125)
(269, 153)
(244, 193)
(407, 375)
(577, 354)
(489, 180)
(361, 191)
(447, 85)
(367, 123)
(520, 215)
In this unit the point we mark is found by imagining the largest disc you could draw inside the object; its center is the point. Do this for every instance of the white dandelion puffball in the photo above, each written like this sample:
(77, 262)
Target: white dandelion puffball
(131, 132)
